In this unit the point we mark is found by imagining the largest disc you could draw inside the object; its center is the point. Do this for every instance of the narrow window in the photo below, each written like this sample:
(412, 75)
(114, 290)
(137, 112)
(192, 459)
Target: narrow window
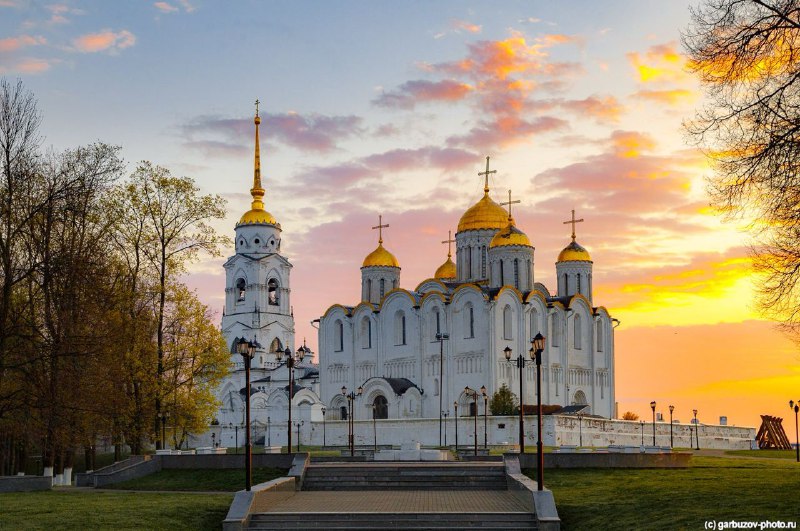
(383, 288)
(599, 336)
(469, 262)
(438, 321)
(483, 262)
(369, 289)
(272, 287)
(366, 333)
(579, 283)
(516, 273)
(534, 322)
(507, 316)
(241, 288)
(338, 336)
(502, 275)
(576, 329)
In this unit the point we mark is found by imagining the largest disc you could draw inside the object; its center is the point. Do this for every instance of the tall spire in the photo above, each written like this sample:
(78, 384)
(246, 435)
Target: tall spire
(257, 191)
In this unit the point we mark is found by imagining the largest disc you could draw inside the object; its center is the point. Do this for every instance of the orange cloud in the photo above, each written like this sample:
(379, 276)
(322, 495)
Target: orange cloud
(15, 43)
(661, 63)
(466, 26)
(33, 66)
(673, 97)
(105, 40)
(407, 95)
(630, 144)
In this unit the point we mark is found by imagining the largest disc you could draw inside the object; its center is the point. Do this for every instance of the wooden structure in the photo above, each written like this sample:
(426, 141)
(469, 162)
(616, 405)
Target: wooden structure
(771, 435)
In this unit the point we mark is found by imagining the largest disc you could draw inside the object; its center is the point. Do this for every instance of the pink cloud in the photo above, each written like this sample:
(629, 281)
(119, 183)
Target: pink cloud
(11, 44)
(602, 109)
(33, 66)
(671, 97)
(407, 95)
(164, 7)
(506, 130)
(466, 26)
(105, 40)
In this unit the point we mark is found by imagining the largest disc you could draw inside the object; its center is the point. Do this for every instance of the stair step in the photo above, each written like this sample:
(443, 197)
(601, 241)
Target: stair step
(263, 521)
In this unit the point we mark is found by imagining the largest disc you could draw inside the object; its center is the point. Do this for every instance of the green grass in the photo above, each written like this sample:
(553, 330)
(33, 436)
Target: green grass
(713, 488)
(82, 510)
(770, 454)
(199, 479)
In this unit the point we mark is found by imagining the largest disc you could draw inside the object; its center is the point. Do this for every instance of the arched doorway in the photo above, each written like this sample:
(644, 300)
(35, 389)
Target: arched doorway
(579, 399)
(380, 407)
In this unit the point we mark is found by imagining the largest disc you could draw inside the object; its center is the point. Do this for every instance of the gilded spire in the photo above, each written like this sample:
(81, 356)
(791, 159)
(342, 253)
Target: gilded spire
(257, 191)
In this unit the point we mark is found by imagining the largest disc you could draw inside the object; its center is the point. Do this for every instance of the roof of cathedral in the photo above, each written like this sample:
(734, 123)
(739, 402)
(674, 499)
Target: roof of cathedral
(485, 214)
(574, 253)
(510, 235)
(446, 270)
(257, 215)
(380, 257)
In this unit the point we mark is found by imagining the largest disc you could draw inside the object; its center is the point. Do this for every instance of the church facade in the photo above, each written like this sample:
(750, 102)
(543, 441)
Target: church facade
(415, 352)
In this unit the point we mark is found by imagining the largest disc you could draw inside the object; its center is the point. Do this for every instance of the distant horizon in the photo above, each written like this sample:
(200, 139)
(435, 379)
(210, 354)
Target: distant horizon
(388, 109)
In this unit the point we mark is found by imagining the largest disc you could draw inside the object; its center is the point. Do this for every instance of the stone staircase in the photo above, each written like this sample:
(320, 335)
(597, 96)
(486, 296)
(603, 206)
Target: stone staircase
(504, 521)
(405, 476)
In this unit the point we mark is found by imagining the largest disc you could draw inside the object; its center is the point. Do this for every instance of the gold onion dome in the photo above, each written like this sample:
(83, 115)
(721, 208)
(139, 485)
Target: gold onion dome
(257, 214)
(574, 253)
(446, 270)
(485, 214)
(510, 235)
(380, 257)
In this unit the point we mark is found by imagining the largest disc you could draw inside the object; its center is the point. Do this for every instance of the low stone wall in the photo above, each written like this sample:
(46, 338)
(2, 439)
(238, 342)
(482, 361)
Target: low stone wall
(540, 502)
(137, 470)
(608, 460)
(256, 500)
(225, 461)
(25, 483)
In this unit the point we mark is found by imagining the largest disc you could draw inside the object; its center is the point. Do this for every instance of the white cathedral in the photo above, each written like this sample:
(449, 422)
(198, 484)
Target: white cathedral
(386, 345)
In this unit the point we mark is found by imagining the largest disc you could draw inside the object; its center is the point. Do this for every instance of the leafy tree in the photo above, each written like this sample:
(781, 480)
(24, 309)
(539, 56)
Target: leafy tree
(630, 415)
(503, 402)
(747, 55)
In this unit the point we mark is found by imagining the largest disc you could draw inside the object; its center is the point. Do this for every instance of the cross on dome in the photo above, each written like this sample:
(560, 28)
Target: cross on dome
(448, 241)
(573, 221)
(486, 174)
(380, 226)
(509, 203)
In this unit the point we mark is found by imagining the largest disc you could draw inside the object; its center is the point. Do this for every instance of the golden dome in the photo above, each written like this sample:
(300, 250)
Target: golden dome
(446, 270)
(485, 214)
(257, 216)
(380, 257)
(510, 235)
(574, 253)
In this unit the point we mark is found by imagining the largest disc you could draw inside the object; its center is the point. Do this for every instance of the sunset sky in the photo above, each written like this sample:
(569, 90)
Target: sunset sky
(375, 107)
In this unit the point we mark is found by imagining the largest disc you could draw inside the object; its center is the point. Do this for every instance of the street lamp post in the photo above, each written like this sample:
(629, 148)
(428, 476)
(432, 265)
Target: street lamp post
(696, 429)
(520, 361)
(455, 418)
(474, 395)
(445, 414)
(247, 349)
(298, 424)
(291, 363)
(374, 428)
(580, 429)
(269, 432)
(441, 338)
(323, 428)
(642, 425)
(671, 409)
(213, 440)
(164, 418)
(795, 406)
(351, 397)
(485, 419)
(537, 348)
(235, 427)
(653, 407)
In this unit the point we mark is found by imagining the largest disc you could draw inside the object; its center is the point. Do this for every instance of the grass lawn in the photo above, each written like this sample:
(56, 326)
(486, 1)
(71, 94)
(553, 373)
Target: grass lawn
(82, 510)
(771, 454)
(713, 488)
(199, 479)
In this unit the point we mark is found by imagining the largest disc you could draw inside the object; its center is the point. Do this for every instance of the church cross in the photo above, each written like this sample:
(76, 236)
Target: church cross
(573, 221)
(380, 226)
(257, 102)
(486, 174)
(448, 241)
(509, 203)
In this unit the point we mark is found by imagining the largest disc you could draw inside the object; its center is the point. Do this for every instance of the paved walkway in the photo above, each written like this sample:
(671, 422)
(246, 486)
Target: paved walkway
(399, 501)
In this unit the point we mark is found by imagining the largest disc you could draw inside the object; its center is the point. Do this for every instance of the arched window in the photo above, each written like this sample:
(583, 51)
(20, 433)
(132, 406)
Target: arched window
(600, 335)
(529, 275)
(579, 399)
(483, 262)
(380, 408)
(369, 289)
(394, 284)
(516, 273)
(576, 329)
(469, 321)
(338, 336)
(507, 323)
(272, 287)
(566, 284)
(579, 283)
(469, 262)
(437, 322)
(502, 274)
(383, 288)
(534, 322)
(241, 289)
(275, 346)
(366, 333)
(399, 328)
